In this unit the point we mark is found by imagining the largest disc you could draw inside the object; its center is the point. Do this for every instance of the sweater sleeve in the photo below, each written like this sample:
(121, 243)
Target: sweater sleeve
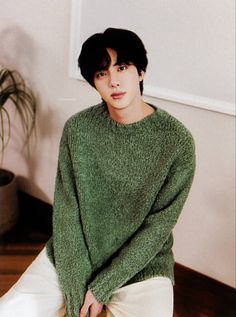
(70, 250)
(148, 240)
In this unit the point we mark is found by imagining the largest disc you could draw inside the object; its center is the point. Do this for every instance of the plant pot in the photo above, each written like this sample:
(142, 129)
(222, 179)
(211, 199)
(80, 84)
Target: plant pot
(8, 201)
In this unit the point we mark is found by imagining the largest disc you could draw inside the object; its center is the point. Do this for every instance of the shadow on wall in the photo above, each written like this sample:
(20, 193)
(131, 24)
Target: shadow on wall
(23, 181)
(18, 51)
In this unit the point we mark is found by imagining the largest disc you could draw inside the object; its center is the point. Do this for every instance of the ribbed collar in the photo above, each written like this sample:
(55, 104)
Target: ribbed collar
(131, 127)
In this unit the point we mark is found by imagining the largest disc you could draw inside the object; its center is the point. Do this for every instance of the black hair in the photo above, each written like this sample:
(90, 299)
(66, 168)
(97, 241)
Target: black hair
(128, 46)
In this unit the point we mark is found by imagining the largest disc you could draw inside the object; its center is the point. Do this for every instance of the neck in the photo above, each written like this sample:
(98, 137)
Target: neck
(131, 115)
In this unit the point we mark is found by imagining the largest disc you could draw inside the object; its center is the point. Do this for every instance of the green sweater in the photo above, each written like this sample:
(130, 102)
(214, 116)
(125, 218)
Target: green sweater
(119, 191)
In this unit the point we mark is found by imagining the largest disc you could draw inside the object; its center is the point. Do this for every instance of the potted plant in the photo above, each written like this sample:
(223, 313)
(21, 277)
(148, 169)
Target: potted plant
(14, 93)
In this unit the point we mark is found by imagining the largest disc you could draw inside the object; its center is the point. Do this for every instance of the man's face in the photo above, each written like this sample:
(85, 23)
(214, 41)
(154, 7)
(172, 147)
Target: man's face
(119, 84)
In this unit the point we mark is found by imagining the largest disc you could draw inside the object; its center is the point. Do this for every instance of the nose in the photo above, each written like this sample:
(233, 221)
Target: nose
(113, 80)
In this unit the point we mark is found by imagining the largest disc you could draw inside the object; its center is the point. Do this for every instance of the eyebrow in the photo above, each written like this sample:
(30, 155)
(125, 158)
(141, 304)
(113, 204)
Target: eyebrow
(106, 67)
(120, 63)
(115, 64)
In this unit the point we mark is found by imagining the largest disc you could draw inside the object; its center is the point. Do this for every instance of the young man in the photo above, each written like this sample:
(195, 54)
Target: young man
(125, 169)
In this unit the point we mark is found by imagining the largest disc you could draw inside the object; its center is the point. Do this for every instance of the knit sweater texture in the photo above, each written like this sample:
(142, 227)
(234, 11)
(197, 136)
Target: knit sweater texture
(119, 191)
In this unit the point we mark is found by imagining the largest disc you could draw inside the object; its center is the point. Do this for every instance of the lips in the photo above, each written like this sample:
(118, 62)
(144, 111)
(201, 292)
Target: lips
(117, 95)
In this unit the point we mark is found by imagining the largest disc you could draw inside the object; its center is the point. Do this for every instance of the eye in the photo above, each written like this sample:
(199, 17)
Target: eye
(122, 67)
(100, 74)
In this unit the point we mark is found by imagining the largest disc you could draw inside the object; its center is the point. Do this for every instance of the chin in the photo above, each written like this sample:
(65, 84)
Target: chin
(119, 104)
(119, 107)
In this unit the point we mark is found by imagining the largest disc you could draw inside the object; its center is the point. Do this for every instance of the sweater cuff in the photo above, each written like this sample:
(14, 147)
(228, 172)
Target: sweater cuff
(100, 293)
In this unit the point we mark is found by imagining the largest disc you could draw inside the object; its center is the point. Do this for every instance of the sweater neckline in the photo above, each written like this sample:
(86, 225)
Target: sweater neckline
(130, 126)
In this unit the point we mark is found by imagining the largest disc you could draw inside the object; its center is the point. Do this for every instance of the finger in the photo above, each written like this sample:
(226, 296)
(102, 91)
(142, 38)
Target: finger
(84, 310)
(95, 310)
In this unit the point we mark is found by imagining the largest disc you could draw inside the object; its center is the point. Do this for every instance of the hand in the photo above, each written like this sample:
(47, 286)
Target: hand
(91, 305)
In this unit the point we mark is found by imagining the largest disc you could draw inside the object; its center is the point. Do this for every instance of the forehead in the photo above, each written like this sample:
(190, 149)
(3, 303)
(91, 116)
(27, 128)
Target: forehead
(106, 57)
(113, 56)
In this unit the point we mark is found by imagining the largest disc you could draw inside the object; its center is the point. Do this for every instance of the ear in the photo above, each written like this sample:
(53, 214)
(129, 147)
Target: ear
(141, 76)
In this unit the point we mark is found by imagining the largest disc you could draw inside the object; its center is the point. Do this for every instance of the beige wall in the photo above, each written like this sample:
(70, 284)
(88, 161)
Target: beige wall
(205, 233)
(34, 39)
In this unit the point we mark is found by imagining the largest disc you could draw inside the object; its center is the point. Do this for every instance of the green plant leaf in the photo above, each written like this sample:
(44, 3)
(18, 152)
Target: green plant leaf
(14, 91)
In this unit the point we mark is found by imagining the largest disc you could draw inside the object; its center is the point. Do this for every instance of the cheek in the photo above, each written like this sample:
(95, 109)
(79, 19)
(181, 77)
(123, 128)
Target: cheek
(100, 89)
(97, 85)
(135, 83)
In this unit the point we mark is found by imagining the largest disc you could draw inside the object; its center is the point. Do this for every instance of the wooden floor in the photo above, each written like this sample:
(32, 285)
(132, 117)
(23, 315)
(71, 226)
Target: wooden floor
(192, 298)
(195, 294)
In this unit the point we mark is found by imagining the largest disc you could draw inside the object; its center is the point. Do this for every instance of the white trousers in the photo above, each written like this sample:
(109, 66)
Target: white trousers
(37, 294)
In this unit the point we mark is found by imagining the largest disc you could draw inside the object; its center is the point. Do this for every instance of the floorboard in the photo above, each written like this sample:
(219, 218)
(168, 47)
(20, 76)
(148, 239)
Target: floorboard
(195, 295)
(193, 298)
